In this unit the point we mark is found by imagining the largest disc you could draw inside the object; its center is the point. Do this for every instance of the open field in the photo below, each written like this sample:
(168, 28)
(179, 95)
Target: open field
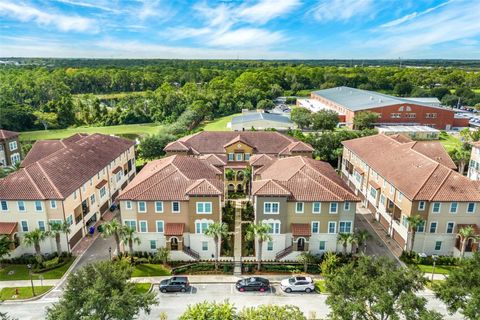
(219, 124)
(142, 287)
(131, 131)
(150, 270)
(438, 269)
(23, 292)
(108, 96)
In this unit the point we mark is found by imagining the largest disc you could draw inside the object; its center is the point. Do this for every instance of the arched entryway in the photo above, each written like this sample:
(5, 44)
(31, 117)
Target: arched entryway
(173, 243)
(231, 188)
(301, 244)
(239, 188)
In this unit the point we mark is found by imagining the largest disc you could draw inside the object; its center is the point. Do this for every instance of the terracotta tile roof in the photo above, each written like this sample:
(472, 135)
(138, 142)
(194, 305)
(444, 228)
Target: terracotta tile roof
(101, 184)
(359, 170)
(301, 230)
(374, 184)
(401, 138)
(416, 175)
(476, 228)
(237, 139)
(6, 135)
(215, 160)
(57, 175)
(297, 146)
(117, 170)
(259, 160)
(174, 178)
(174, 229)
(435, 151)
(305, 179)
(8, 228)
(213, 142)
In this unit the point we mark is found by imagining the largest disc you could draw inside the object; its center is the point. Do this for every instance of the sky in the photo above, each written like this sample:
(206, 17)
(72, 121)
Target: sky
(231, 29)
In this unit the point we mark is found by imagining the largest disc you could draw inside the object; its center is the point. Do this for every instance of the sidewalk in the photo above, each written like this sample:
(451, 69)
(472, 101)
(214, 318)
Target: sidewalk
(27, 283)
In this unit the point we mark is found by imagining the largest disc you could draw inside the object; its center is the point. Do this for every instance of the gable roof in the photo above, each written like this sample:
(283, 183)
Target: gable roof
(416, 175)
(58, 174)
(174, 178)
(214, 142)
(302, 179)
(6, 134)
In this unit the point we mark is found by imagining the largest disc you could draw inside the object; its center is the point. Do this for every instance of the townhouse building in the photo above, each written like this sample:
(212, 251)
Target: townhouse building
(305, 202)
(74, 180)
(10, 151)
(171, 202)
(474, 166)
(397, 178)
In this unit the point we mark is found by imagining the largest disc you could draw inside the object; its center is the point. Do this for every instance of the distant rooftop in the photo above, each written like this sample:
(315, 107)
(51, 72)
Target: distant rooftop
(312, 105)
(407, 129)
(257, 116)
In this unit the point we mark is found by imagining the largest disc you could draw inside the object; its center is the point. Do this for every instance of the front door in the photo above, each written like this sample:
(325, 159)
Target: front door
(173, 244)
(301, 244)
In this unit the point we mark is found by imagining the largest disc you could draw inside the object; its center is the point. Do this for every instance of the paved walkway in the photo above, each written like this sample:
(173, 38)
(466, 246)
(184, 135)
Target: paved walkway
(237, 245)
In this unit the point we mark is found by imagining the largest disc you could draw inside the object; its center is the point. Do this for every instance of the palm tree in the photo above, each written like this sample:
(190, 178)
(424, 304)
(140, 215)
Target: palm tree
(362, 237)
(5, 247)
(460, 156)
(129, 237)
(33, 238)
(247, 177)
(262, 233)
(306, 257)
(465, 234)
(163, 254)
(413, 223)
(345, 239)
(113, 228)
(217, 231)
(56, 229)
(353, 242)
(229, 174)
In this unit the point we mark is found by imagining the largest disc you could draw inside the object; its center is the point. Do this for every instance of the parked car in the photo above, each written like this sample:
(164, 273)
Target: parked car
(253, 284)
(297, 284)
(175, 284)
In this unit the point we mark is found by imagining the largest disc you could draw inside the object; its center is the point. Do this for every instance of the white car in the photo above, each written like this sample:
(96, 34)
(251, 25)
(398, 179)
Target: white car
(297, 284)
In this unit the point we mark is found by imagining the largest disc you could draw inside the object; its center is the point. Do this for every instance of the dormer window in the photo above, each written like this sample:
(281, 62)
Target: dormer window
(239, 156)
(231, 157)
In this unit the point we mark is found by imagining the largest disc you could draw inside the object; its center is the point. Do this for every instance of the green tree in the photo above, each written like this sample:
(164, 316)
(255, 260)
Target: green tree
(163, 254)
(362, 237)
(365, 120)
(113, 229)
(376, 288)
(101, 291)
(461, 289)
(460, 156)
(47, 119)
(344, 239)
(5, 247)
(306, 258)
(260, 232)
(330, 263)
(414, 222)
(324, 120)
(466, 234)
(210, 311)
(403, 89)
(470, 135)
(269, 311)
(56, 230)
(302, 117)
(129, 237)
(151, 146)
(33, 239)
(450, 100)
(229, 174)
(217, 231)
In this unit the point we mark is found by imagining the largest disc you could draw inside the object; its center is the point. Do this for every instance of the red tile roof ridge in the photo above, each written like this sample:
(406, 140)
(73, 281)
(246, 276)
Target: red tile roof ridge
(441, 184)
(320, 185)
(125, 193)
(276, 183)
(48, 179)
(34, 184)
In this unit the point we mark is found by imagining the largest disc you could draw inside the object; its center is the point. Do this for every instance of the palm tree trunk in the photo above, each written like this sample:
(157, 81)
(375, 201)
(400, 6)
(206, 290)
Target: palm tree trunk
(68, 244)
(365, 247)
(344, 248)
(130, 247)
(412, 240)
(59, 245)
(464, 247)
(38, 252)
(259, 261)
(117, 242)
(216, 253)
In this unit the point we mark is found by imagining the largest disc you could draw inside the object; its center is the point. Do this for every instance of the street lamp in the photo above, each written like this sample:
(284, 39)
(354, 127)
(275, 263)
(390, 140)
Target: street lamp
(110, 252)
(29, 266)
(434, 257)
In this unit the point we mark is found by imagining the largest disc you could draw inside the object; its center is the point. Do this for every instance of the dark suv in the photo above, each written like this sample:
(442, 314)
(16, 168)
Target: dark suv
(175, 284)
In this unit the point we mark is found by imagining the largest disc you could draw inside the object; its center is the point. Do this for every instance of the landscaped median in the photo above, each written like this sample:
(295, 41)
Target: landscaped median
(53, 270)
(22, 293)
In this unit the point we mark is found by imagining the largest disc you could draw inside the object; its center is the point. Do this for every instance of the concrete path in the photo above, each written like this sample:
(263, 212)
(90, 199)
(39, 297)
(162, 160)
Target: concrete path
(237, 245)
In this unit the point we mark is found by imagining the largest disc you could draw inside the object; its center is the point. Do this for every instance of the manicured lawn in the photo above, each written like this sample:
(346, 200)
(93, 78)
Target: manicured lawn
(320, 286)
(21, 272)
(117, 95)
(127, 130)
(150, 270)
(438, 269)
(23, 292)
(142, 287)
(219, 124)
(449, 142)
(430, 284)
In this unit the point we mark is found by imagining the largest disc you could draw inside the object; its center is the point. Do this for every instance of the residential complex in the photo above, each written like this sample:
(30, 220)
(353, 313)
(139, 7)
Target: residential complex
(474, 167)
(73, 180)
(397, 178)
(348, 102)
(10, 152)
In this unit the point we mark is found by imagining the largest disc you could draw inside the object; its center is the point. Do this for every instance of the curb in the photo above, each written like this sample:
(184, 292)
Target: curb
(37, 297)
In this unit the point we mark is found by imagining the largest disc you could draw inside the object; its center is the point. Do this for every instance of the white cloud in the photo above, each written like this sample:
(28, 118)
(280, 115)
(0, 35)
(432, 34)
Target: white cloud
(341, 10)
(267, 10)
(152, 9)
(87, 4)
(247, 37)
(25, 13)
(411, 16)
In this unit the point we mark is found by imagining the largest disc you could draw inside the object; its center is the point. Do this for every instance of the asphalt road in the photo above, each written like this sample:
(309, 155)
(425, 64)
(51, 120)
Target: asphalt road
(174, 304)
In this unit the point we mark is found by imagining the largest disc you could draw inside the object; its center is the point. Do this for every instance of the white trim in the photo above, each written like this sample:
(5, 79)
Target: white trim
(439, 207)
(35, 205)
(296, 207)
(345, 221)
(456, 207)
(430, 226)
(130, 220)
(158, 211)
(128, 205)
(328, 227)
(345, 206)
(319, 207)
(163, 226)
(421, 208)
(318, 227)
(330, 208)
(203, 205)
(145, 206)
(140, 226)
(21, 225)
(474, 206)
(24, 206)
(52, 202)
(271, 207)
(453, 228)
(179, 207)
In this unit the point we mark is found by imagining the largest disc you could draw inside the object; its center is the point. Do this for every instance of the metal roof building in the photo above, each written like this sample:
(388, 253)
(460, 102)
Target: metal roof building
(260, 121)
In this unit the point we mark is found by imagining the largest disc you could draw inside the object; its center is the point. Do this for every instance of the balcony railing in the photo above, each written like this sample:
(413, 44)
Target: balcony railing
(192, 253)
(285, 252)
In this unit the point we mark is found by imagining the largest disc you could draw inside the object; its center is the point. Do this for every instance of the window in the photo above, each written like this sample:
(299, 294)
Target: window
(431, 115)
(405, 221)
(315, 227)
(471, 207)
(345, 227)
(92, 199)
(84, 187)
(201, 226)
(247, 156)
(231, 157)
(160, 225)
(69, 220)
(392, 189)
(143, 226)
(299, 207)
(373, 193)
(270, 246)
(159, 206)
(38, 206)
(204, 207)
(4, 205)
(128, 205)
(421, 227)
(239, 156)
(24, 225)
(41, 225)
(450, 226)
(142, 207)
(316, 207)
(333, 207)
(346, 206)
(436, 207)
(395, 115)
(411, 115)
(153, 244)
(75, 195)
(131, 224)
(91, 182)
(421, 205)
(21, 206)
(119, 176)
(453, 207)
(274, 227)
(322, 245)
(433, 227)
(332, 227)
(175, 207)
(400, 197)
(382, 199)
(271, 208)
(12, 145)
(53, 204)
(103, 192)
(438, 245)
(204, 245)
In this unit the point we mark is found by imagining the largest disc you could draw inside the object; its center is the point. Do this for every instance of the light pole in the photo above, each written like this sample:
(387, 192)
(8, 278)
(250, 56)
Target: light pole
(29, 266)
(110, 252)
(434, 257)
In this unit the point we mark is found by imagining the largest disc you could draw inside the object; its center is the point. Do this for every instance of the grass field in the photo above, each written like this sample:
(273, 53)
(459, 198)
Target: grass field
(23, 292)
(438, 269)
(142, 287)
(117, 95)
(21, 272)
(150, 270)
(219, 124)
(449, 142)
(127, 130)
